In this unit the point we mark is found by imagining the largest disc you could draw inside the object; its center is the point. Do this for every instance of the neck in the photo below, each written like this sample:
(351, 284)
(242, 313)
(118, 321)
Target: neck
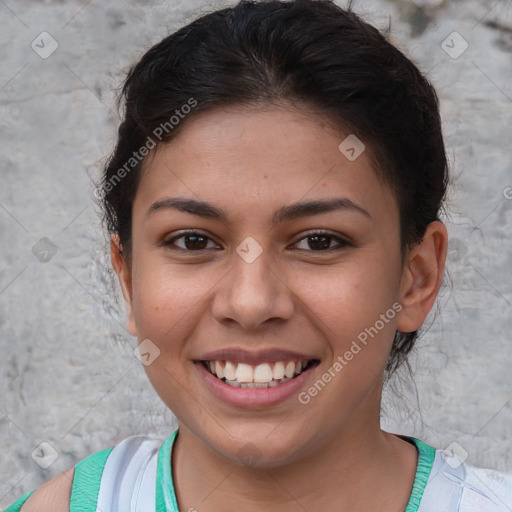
(336, 475)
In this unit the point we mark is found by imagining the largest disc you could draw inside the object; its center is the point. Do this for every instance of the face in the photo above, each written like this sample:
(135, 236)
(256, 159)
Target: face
(258, 286)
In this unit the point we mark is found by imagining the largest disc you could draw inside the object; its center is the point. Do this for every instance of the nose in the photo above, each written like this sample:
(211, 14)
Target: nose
(253, 293)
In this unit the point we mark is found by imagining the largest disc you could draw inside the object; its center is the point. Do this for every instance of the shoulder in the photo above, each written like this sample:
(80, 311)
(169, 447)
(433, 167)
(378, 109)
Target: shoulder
(495, 486)
(130, 465)
(465, 487)
(52, 496)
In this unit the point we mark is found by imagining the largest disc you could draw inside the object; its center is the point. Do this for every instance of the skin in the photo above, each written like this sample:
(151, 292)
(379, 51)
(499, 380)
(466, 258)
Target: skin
(293, 296)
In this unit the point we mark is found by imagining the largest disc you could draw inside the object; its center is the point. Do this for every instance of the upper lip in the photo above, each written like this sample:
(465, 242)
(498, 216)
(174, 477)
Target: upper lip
(254, 357)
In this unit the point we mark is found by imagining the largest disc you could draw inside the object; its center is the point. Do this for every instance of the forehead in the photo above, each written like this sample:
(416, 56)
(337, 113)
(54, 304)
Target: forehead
(242, 158)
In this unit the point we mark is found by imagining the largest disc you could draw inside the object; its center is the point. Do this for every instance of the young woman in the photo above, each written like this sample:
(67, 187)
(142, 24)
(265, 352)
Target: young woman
(273, 203)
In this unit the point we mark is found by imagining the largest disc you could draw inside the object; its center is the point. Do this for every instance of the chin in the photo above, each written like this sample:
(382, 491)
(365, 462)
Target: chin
(260, 447)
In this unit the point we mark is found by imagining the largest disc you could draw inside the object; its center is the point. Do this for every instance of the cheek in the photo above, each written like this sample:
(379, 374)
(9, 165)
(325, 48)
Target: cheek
(349, 298)
(166, 299)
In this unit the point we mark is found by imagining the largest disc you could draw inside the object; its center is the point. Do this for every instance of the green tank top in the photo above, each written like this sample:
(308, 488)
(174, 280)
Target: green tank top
(89, 472)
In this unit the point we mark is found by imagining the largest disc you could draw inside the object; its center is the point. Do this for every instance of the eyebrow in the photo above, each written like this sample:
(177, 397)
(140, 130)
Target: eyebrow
(285, 213)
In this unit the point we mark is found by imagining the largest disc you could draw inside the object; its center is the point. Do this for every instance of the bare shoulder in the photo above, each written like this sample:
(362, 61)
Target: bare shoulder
(52, 496)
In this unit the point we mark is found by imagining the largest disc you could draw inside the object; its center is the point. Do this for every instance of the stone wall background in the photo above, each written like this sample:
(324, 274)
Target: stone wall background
(68, 376)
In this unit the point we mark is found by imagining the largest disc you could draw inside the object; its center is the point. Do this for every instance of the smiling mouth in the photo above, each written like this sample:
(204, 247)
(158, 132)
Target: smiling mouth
(264, 375)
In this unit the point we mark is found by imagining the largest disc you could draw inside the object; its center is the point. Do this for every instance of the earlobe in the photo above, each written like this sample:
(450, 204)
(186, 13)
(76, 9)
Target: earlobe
(125, 280)
(422, 277)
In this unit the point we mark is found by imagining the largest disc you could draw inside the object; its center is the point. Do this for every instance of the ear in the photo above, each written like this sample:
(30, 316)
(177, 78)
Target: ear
(125, 280)
(422, 276)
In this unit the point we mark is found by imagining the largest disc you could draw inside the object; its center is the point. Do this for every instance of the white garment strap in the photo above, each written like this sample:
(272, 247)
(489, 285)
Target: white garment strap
(128, 482)
(454, 487)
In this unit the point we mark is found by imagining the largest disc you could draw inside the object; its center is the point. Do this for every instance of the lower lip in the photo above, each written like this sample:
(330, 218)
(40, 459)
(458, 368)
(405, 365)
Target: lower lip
(253, 398)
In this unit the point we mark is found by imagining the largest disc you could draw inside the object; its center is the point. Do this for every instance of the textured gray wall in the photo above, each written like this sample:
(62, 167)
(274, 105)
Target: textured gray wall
(68, 376)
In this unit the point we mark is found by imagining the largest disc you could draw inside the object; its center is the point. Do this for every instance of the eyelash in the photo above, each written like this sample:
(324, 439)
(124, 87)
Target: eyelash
(341, 242)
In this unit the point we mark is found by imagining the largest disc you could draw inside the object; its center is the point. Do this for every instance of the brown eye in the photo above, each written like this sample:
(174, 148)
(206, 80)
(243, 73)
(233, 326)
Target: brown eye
(192, 241)
(321, 241)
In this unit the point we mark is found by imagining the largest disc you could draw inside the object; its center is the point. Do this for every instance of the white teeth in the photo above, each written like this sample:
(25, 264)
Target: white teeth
(278, 372)
(263, 373)
(244, 373)
(219, 370)
(289, 370)
(253, 385)
(229, 371)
